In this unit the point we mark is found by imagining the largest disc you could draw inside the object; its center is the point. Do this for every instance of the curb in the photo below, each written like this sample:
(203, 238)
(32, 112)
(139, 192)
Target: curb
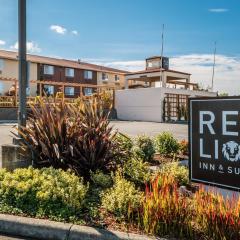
(50, 230)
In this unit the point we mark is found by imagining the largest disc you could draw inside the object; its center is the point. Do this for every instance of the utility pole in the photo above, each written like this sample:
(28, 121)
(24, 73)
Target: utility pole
(214, 63)
(22, 63)
(161, 63)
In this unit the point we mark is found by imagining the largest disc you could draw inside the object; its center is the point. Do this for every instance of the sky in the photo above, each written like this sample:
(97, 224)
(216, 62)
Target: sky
(122, 33)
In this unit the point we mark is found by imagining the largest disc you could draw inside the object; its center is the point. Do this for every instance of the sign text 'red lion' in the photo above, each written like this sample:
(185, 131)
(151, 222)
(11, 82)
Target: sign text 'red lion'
(214, 132)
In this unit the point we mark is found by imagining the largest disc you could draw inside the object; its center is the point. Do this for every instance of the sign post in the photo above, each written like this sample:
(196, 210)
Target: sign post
(214, 134)
(22, 62)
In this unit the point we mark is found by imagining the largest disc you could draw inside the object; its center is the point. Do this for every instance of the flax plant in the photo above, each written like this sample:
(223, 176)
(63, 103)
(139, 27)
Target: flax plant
(70, 136)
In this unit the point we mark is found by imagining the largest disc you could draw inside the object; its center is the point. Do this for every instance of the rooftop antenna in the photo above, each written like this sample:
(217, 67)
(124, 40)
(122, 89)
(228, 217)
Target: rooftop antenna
(161, 63)
(214, 63)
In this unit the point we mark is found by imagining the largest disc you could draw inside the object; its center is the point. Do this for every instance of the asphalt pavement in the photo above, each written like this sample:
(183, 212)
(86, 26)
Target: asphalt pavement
(131, 128)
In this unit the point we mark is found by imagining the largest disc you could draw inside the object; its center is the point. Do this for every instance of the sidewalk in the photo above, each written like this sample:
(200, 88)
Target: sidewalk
(50, 230)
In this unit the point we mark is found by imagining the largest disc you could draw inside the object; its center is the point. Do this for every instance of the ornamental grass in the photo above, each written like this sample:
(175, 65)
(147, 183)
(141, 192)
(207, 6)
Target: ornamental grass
(218, 217)
(164, 211)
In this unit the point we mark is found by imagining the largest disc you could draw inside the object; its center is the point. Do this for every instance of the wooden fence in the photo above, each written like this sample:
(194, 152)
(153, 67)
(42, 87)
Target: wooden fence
(13, 100)
(175, 107)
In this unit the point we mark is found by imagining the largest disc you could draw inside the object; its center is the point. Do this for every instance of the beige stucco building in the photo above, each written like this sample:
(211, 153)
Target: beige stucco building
(9, 70)
(111, 79)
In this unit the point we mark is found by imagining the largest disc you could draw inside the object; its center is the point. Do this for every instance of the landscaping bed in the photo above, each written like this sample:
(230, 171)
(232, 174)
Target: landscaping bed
(85, 173)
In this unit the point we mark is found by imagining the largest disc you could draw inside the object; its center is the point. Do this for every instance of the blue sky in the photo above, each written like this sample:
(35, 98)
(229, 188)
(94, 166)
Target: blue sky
(123, 32)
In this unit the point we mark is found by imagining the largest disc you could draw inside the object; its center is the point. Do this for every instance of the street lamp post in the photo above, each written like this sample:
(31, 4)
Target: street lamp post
(22, 62)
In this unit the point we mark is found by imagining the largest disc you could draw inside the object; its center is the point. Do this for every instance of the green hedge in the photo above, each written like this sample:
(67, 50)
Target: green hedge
(51, 193)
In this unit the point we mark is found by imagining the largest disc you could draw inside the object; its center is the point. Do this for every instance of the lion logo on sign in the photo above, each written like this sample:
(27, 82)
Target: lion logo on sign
(231, 151)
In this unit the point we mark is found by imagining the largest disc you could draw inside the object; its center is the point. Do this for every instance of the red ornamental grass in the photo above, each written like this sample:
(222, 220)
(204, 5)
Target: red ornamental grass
(218, 217)
(164, 211)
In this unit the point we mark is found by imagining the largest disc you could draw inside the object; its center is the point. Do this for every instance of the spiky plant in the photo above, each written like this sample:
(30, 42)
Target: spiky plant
(70, 136)
(46, 135)
(91, 138)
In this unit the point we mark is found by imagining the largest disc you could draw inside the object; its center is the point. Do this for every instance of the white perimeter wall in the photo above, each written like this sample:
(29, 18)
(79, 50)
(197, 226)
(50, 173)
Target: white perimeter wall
(146, 104)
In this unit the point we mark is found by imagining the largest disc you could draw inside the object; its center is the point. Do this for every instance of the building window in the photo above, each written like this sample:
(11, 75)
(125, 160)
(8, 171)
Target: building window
(116, 78)
(153, 64)
(1, 64)
(149, 64)
(69, 72)
(88, 74)
(69, 91)
(49, 70)
(104, 77)
(88, 91)
(48, 89)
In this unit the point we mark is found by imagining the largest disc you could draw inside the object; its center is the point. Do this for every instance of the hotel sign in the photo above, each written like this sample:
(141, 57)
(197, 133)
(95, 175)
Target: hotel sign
(214, 137)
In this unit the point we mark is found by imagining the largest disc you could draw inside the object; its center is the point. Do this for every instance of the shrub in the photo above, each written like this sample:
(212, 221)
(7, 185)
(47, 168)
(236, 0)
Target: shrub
(122, 198)
(144, 148)
(101, 180)
(125, 141)
(137, 171)
(183, 147)
(106, 98)
(219, 218)
(124, 145)
(166, 144)
(47, 192)
(164, 211)
(179, 173)
(70, 136)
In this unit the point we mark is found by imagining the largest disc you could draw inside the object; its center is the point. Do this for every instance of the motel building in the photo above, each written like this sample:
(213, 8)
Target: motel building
(54, 75)
(157, 93)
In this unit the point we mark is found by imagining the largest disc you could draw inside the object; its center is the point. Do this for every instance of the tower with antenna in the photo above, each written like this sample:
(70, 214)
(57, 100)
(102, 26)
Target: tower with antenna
(161, 62)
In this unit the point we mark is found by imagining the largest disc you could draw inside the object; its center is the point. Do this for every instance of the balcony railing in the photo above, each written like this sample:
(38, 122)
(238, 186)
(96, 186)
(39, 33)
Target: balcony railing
(103, 91)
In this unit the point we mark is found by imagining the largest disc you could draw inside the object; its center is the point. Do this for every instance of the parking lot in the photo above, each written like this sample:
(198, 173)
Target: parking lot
(132, 128)
(128, 127)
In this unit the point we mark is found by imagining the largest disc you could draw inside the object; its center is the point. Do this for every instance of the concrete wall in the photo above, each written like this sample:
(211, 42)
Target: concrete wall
(146, 104)
(11, 114)
(8, 114)
(139, 104)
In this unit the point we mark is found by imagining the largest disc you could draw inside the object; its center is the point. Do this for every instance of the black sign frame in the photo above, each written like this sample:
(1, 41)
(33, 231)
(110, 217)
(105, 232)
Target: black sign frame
(201, 181)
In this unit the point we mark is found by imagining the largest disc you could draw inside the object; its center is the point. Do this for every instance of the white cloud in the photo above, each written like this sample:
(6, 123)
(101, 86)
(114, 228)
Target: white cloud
(58, 29)
(227, 69)
(2, 42)
(227, 78)
(126, 65)
(75, 32)
(32, 47)
(218, 10)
